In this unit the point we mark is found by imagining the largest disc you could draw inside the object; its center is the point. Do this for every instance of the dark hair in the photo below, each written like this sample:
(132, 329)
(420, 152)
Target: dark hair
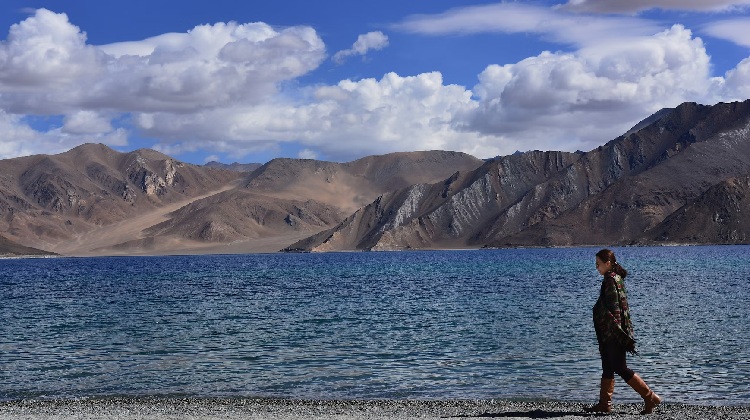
(606, 255)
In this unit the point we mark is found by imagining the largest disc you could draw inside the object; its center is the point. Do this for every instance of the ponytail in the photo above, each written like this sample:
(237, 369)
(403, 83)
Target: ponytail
(606, 255)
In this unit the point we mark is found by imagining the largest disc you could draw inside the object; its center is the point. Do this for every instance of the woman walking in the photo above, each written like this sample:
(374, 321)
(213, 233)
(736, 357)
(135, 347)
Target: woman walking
(614, 332)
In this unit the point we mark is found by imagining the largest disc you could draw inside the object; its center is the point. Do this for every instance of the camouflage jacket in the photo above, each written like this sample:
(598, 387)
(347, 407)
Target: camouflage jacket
(611, 313)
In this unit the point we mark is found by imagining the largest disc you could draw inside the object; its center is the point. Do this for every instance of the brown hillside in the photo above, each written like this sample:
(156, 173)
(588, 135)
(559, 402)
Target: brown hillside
(9, 248)
(48, 200)
(93, 200)
(289, 199)
(444, 214)
(351, 185)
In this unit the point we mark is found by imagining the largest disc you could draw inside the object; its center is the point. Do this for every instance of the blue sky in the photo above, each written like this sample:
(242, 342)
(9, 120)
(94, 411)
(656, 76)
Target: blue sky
(333, 80)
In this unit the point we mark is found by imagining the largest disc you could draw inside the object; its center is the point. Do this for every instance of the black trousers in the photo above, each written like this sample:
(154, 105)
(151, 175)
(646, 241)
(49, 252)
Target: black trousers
(613, 361)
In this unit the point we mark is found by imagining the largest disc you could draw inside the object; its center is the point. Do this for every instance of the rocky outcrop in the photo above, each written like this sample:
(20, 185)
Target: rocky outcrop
(721, 215)
(669, 163)
(153, 182)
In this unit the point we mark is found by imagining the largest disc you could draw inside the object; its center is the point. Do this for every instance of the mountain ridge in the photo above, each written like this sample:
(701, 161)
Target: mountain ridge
(78, 202)
(672, 159)
(680, 175)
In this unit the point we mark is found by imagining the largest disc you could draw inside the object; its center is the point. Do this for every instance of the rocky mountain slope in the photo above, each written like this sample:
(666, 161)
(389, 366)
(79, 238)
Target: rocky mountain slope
(9, 248)
(46, 201)
(351, 185)
(720, 215)
(610, 195)
(290, 199)
(93, 200)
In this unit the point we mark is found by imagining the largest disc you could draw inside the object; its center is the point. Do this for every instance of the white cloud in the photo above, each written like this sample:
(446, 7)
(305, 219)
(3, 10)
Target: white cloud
(46, 50)
(585, 98)
(86, 122)
(634, 6)
(307, 154)
(734, 30)
(736, 85)
(344, 121)
(221, 88)
(364, 43)
(46, 67)
(554, 24)
(20, 139)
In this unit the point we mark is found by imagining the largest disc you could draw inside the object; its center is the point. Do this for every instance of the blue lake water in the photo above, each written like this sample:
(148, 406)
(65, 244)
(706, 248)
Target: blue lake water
(424, 325)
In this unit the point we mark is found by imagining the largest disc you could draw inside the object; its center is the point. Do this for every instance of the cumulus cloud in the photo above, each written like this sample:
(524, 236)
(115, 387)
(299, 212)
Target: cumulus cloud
(20, 139)
(307, 154)
(46, 50)
(86, 122)
(591, 95)
(634, 6)
(343, 121)
(222, 88)
(364, 43)
(735, 85)
(46, 67)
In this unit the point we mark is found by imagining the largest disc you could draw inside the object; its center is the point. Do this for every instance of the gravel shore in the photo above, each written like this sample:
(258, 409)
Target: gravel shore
(278, 409)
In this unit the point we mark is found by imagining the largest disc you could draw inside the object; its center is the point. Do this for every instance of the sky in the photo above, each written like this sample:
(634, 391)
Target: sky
(336, 80)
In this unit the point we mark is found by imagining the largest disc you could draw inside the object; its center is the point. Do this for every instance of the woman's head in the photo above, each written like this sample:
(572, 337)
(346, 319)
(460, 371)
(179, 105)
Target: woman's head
(606, 262)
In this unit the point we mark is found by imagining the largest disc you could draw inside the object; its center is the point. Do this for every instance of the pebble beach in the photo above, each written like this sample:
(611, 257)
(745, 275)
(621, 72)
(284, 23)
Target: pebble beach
(282, 409)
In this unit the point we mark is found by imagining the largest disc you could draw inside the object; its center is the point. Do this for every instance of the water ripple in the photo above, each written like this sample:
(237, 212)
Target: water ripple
(459, 324)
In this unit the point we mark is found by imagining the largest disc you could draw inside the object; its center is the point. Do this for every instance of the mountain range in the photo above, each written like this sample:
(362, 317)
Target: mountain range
(680, 176)
(93, 200)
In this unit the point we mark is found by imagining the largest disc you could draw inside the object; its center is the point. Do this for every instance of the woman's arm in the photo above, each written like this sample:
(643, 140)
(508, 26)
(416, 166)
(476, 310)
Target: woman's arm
(611, 299)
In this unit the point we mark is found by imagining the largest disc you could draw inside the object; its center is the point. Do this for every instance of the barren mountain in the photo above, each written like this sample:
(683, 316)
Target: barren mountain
(721, 215)
(239, 215)
(610, 195)
(48, 200)
(658, 169)
(93, 200)
(444, 214)
(289, 199)
(351, 185)
(679, 176)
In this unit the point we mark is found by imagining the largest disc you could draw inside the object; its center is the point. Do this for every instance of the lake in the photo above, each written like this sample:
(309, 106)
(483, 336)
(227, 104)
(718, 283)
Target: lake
(512, 323)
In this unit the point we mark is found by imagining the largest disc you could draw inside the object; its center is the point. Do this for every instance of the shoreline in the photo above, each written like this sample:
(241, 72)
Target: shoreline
(157, 408)
(243, 249)
(226, 249)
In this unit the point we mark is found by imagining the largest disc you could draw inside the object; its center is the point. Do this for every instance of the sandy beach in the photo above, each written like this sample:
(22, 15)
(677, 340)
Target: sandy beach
(281, 409)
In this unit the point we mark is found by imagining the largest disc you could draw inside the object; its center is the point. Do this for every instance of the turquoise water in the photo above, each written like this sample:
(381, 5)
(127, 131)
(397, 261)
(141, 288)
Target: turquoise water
(427, 325)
